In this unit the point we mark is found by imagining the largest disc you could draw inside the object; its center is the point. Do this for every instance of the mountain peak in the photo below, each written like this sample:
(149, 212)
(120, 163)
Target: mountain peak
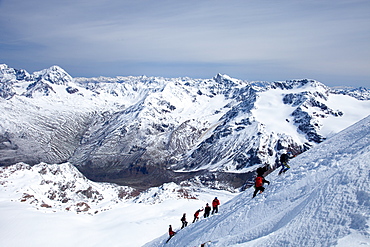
(3, 66)
(55, 75)
(222, 77)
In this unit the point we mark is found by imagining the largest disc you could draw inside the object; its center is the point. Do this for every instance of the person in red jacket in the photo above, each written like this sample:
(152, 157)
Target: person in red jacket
(196, 215)
(215, 204)
(171, 233)
(258, 185)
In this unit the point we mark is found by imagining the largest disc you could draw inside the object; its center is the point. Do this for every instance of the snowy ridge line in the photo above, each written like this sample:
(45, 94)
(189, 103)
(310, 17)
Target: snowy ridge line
(323, 200)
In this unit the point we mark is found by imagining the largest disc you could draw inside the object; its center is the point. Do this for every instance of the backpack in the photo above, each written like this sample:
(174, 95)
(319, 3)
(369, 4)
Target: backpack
(259, 181)
(284, 158)
(261, 171)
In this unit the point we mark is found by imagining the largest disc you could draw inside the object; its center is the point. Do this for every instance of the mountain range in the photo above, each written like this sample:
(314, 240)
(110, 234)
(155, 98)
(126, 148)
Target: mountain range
(145, 131)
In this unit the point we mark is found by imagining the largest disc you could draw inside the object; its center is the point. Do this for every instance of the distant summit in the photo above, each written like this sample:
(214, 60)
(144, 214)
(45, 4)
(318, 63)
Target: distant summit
(55, 75)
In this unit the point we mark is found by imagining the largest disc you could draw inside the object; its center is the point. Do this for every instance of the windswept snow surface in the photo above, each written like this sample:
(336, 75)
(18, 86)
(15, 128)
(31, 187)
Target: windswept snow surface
(323, 200)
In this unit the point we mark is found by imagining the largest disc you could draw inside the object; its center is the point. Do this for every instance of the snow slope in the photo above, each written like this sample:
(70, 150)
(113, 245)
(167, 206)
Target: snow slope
(55, 205)
(322, 201)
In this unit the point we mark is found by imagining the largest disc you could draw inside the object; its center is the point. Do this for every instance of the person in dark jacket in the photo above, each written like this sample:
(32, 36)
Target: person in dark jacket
(284, 159)
(258, 185)
(215, 204)
(207, 210)
(196, 215)
(183, 220)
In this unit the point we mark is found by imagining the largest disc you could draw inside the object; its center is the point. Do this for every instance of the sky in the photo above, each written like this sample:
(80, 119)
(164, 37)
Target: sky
(252, 40)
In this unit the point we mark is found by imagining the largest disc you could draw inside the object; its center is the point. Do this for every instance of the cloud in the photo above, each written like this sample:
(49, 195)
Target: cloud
(177, 37)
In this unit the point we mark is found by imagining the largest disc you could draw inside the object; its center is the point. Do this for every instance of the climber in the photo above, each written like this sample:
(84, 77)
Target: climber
(207, 210)
(171, 233)
(183, 220)
(196, 215)
(284, 159)
(260, 180)
(215, 204)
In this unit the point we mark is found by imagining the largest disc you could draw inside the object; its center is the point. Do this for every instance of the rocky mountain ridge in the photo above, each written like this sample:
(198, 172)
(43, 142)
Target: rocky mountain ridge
(61, 187)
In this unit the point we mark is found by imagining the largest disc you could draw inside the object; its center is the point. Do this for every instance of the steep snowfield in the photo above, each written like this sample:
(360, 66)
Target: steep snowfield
(271, 111)
(276, 116)
(323, 200)
(353, 109)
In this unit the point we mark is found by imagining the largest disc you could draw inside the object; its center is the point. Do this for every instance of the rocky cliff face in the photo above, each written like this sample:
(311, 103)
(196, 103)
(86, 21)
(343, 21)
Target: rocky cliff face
(144, 131)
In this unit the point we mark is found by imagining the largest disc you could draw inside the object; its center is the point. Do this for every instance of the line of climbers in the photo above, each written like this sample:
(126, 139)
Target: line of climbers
(258, 186)
(207, 212)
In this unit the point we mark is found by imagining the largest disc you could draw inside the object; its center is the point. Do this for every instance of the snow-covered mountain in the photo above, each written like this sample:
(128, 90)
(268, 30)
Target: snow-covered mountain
(146, 131)
(323, 200)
